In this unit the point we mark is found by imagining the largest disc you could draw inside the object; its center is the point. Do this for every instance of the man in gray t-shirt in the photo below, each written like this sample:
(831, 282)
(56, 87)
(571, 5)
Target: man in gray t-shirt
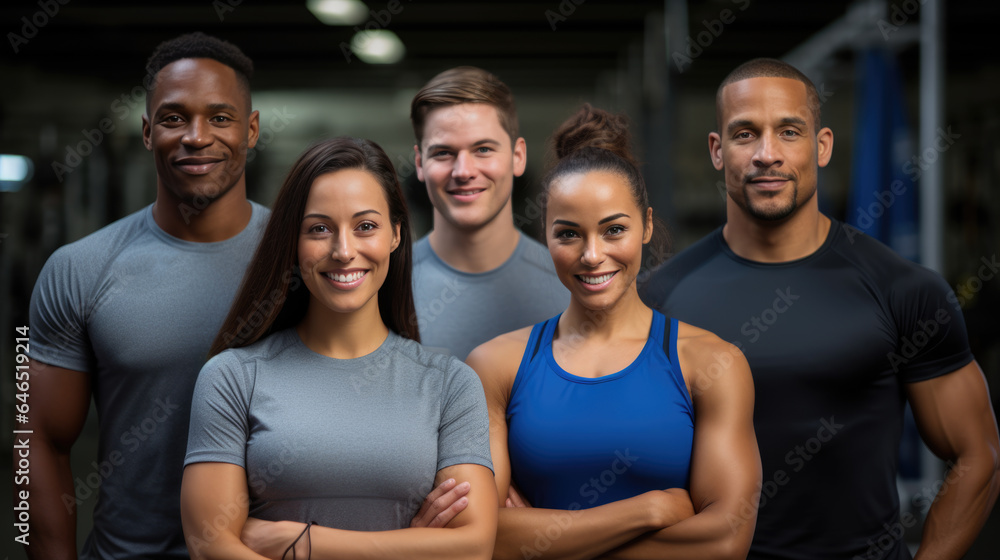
(128, 314)
(475, 276)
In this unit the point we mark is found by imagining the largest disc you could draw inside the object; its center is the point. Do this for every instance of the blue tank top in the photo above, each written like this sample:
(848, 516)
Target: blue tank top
(578, 442)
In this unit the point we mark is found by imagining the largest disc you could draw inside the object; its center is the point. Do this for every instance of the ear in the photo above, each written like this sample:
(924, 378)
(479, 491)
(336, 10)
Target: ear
(254, 132)
(147, 133)
(395, 237)
(715, 150)
(520, 156)
(824, 146)
(419, 162)
(647, 226)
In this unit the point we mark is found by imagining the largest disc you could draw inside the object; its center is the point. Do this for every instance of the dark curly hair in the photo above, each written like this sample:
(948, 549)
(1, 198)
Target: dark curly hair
(200, 45)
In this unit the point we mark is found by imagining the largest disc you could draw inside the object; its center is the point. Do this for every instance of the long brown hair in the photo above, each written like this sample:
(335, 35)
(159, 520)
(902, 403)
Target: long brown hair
(272, 297)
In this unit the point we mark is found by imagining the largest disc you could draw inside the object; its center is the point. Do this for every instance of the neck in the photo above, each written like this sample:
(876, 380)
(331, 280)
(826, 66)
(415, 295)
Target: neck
(796, 237)
(626, 318)
(479, 250)
(342, 335)
(202, 221)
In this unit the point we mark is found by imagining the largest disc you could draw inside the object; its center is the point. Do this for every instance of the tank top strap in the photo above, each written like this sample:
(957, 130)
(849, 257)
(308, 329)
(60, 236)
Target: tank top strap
(540, 337)
(669, 342)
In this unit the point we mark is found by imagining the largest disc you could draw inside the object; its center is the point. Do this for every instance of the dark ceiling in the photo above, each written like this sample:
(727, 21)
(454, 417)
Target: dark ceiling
(111, 39)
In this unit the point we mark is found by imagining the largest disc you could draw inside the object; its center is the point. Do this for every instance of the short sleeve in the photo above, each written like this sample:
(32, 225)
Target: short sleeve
(464, 433)
(932, 337)
(220, 407)
(58, 315)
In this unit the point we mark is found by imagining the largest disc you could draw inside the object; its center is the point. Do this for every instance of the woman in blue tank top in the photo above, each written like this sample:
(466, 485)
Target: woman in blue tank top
(625, 433)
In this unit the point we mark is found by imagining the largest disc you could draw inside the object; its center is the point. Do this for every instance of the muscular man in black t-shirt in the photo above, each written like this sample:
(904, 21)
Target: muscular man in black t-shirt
(839, 332)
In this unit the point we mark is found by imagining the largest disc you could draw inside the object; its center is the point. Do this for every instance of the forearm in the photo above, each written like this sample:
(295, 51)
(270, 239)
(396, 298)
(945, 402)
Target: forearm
(960, 509)
(714, 533)
(570, 535)
(469, 542)
(49, 487)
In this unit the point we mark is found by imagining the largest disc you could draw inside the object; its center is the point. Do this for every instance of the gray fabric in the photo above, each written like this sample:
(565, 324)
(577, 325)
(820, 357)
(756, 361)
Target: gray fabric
(457, 311)
(352, 444)
(138, 309)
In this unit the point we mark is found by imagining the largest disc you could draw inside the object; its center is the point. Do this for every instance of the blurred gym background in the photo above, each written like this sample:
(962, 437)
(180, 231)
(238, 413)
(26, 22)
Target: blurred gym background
(910, 88)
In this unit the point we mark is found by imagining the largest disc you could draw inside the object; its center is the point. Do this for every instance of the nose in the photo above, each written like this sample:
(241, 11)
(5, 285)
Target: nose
(592, 255)
(768, 152)
(343, 248)
(464, 170)
(197, 135)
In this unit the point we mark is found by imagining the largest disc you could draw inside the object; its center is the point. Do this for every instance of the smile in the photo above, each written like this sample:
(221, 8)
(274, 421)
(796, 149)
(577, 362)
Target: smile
(346, 280)
(592, 282)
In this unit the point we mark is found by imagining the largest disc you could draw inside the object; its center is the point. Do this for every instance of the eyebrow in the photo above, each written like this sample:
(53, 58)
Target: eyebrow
(613, 217)
(482, 142)
(746, 122)
(603, 220)
(176, 106)
(356, 214)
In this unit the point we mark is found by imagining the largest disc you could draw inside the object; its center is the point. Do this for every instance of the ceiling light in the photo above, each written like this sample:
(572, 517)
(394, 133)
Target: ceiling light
(14, 172)
(378, 47)
(338, 12)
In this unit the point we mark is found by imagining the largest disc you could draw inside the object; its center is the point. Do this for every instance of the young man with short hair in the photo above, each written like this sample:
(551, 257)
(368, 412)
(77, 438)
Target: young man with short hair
(475, 275)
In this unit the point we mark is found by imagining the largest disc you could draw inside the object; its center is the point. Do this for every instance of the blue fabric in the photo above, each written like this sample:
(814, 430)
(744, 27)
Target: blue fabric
(883, 198)
(578, 442)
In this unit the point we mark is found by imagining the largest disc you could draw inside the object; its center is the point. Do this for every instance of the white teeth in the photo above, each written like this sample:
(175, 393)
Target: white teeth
(596, 279)
(344, 277)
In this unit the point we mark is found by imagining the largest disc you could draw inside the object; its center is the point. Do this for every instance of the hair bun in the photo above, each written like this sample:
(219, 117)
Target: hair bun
(590, 127)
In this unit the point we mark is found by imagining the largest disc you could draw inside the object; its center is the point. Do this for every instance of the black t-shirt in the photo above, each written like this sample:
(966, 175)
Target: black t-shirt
(831, 339)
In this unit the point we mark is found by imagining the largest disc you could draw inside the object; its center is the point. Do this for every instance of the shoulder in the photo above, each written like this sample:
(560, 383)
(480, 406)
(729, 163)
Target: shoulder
(103, 244)
(892, 273)
(497, 360)
(706, 359)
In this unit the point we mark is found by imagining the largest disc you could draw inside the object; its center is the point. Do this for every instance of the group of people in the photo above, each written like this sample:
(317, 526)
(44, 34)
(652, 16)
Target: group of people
(309, 382)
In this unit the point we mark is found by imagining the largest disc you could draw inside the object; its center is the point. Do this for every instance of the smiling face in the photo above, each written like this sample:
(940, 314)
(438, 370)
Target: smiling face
(468, 163)
(345, 241)
(595, 234)
(768, 147)
(199, 128)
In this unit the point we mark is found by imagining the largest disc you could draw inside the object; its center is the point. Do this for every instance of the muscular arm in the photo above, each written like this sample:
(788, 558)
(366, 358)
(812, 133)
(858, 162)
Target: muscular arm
(955, 419)
(548, 533)
(58, 404)
(212, 492)
(725, 463)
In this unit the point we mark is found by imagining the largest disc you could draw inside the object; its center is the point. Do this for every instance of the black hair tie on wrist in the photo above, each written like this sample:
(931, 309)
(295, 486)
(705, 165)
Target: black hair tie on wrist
(309, 543)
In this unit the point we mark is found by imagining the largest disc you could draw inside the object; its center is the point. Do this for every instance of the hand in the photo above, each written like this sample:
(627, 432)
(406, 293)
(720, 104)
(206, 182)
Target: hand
(515, 499)
(271, 538)
(442, 504)
(670, 506)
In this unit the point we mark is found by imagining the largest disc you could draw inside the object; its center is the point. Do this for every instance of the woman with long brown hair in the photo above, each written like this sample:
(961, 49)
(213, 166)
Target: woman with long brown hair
(319, 405)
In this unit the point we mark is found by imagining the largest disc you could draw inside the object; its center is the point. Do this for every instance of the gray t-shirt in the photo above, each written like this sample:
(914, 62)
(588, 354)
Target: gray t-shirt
(138, 309)
(352, 444)
(457, 311)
